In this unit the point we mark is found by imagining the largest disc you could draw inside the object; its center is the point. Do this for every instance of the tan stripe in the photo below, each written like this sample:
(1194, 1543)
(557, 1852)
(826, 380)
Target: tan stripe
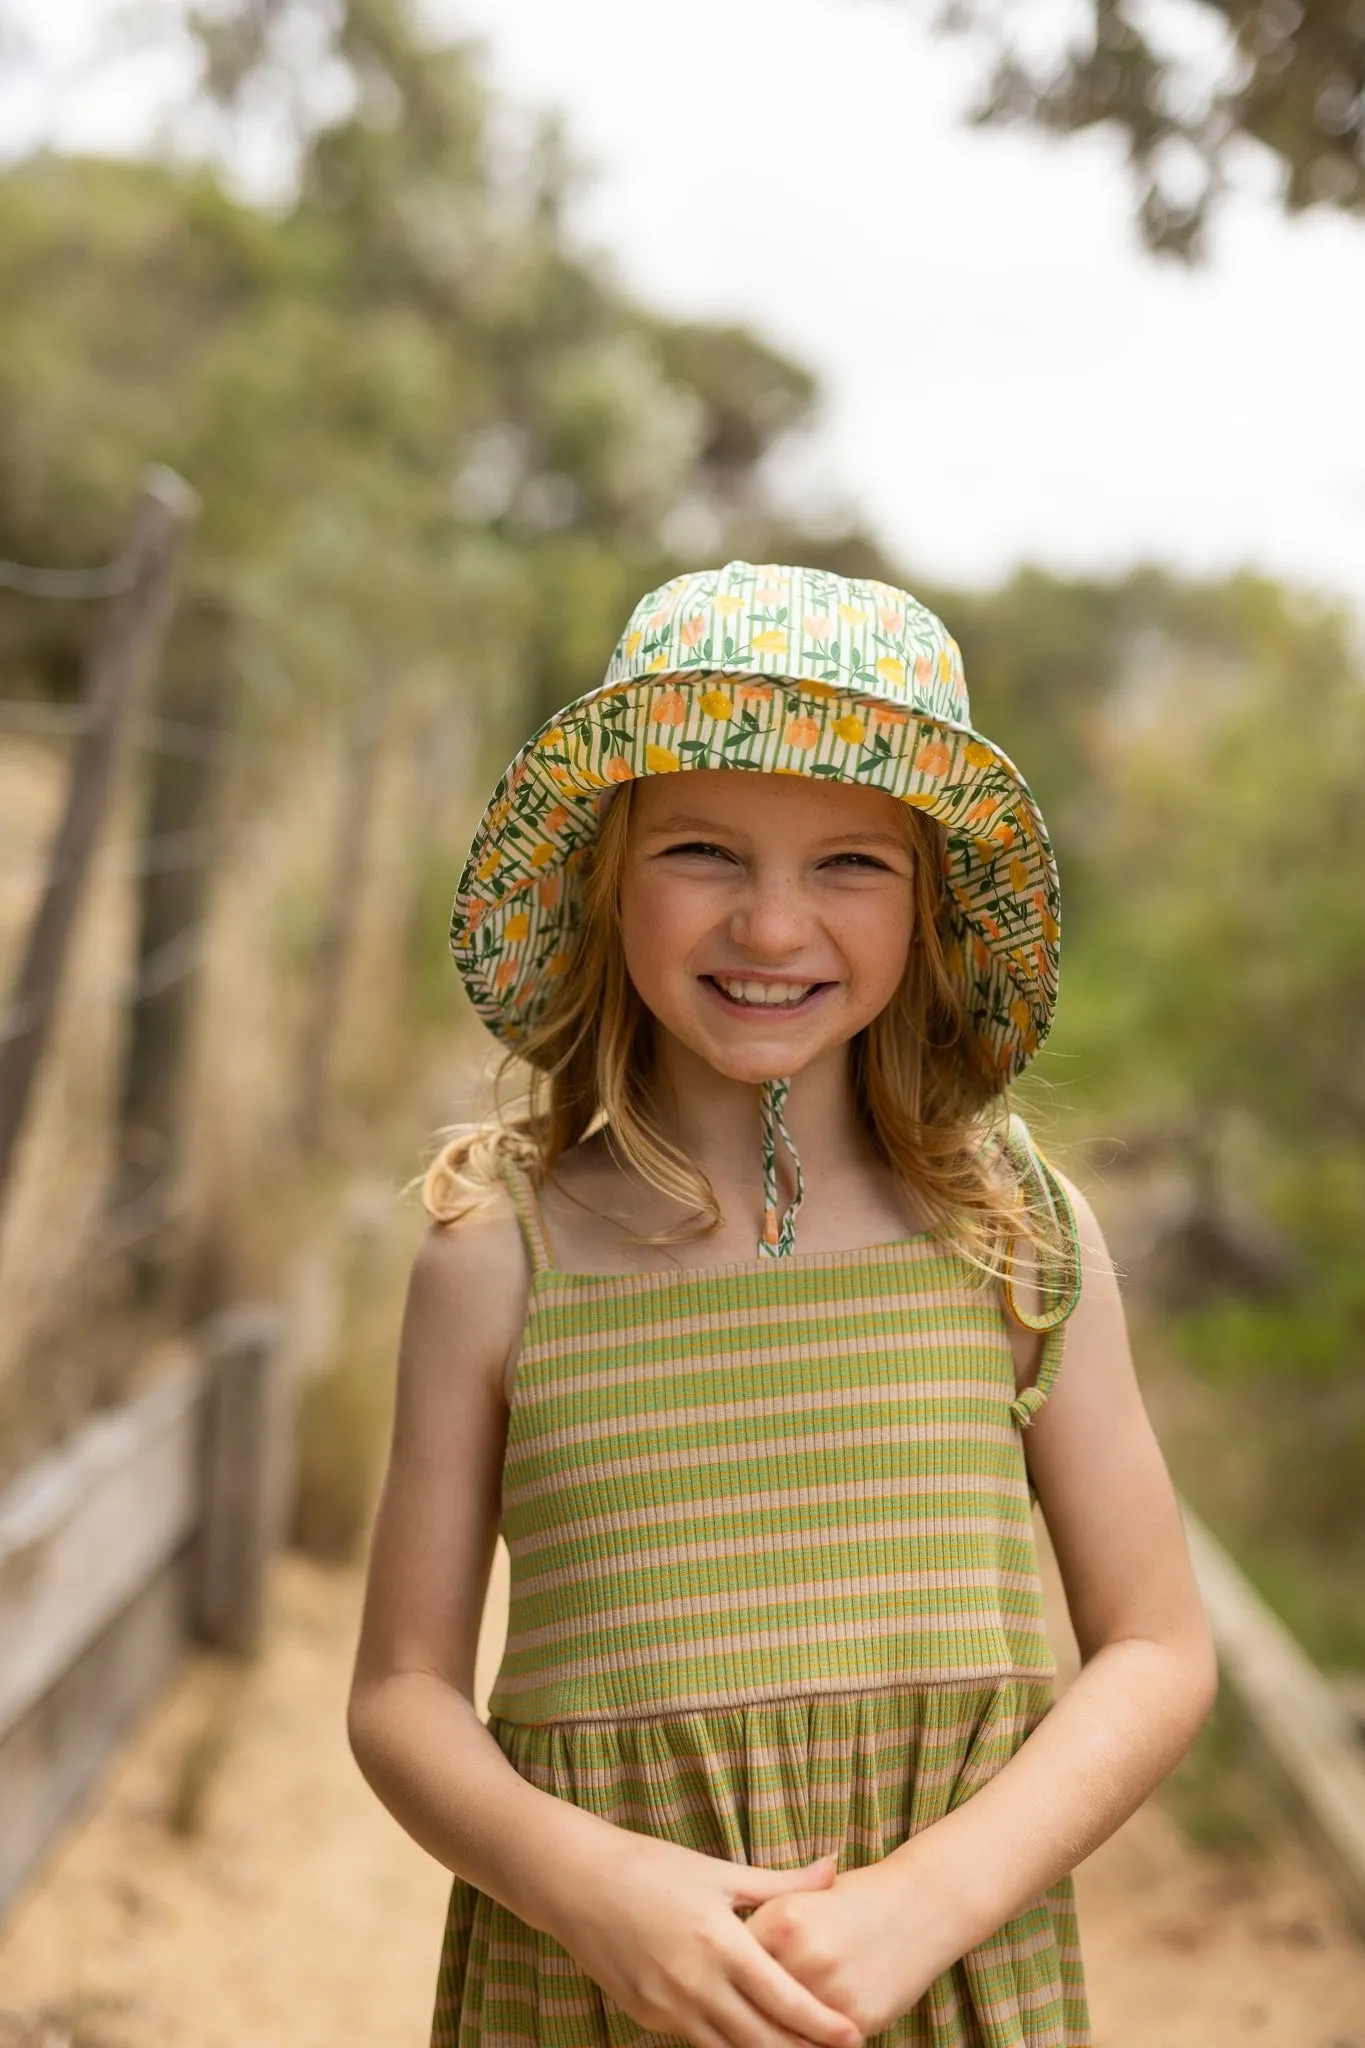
(808, 1322)
(757, 1695)
(640, 1613)
(618, 1665)
(766, 1544)
(908, 1486)
(645, 1421)
(694, 1455)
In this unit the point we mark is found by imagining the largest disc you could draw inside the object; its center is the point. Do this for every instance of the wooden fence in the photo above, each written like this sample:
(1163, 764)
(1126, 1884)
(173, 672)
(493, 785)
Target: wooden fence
(152, 1527)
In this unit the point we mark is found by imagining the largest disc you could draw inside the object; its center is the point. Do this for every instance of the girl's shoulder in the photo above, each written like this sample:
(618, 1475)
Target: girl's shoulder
(468, 1292)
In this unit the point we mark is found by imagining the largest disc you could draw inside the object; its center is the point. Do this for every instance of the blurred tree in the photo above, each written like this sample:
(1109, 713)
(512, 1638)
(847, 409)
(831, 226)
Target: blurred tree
(1186, 85)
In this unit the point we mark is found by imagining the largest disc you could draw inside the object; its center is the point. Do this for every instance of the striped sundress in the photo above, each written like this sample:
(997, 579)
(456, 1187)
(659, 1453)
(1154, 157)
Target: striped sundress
(774, 1595)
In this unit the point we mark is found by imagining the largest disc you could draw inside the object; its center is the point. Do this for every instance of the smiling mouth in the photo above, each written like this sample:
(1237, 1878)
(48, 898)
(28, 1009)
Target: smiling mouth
(763, 995)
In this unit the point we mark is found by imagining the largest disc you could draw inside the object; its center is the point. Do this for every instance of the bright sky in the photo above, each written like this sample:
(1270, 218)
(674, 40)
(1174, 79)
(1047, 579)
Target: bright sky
(1007, 376)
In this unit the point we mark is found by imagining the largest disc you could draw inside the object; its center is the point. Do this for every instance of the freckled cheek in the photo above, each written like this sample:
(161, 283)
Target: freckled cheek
(662, 923)
(875, 941)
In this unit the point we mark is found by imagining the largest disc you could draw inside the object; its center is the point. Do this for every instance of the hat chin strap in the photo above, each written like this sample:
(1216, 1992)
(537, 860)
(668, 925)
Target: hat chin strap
(779, 1233)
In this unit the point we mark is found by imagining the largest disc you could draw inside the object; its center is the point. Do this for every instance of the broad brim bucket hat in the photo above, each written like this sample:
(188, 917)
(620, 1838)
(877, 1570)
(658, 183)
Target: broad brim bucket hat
(780, 670)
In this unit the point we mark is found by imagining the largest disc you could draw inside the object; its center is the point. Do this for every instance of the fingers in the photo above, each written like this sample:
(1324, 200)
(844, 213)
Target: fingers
(750, 1886)
(785, 2000)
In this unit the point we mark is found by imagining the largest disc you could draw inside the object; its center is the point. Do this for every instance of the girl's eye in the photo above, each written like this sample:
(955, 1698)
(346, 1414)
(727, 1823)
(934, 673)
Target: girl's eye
(859, 860)
(702, 847)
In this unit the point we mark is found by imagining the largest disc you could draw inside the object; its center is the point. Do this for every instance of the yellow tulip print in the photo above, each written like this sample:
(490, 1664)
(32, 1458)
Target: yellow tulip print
(716, 704)
(661, 761)
(773, 641)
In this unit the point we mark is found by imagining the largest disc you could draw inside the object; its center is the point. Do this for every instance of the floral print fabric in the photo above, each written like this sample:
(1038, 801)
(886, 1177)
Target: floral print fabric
(788, 671)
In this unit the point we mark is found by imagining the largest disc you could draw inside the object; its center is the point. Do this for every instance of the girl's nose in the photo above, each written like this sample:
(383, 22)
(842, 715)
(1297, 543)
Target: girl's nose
(771, 920)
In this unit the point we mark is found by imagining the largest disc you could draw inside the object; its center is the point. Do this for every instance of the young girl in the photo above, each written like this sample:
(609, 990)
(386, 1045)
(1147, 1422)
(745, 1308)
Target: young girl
(748, 1339)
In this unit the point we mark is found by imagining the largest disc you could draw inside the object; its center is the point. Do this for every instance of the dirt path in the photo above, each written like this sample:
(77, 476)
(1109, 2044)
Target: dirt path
(300, 1917)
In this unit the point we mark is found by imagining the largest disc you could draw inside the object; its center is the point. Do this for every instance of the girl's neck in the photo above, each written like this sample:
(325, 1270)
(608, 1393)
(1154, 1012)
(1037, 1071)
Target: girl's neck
(714, 1120)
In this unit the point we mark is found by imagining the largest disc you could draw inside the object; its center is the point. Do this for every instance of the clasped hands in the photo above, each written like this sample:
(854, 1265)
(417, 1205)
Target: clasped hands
(822, 1959)
(852, 1943)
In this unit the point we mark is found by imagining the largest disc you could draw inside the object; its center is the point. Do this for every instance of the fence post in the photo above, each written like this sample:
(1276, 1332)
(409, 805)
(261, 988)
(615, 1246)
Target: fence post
(183, 803)
(122, 658)
(247, 1468)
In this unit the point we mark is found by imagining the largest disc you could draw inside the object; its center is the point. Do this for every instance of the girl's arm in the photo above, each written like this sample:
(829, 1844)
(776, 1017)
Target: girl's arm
(1146, 1685)
(653, 1923)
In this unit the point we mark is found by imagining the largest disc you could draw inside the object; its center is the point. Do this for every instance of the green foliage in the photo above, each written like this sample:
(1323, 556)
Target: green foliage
(1290, 76)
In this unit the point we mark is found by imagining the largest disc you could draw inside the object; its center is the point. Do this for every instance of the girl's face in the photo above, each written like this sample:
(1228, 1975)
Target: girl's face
(765, 918)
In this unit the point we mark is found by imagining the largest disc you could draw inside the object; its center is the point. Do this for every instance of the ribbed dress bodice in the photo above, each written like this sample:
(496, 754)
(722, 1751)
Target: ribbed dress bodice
(741, 1483)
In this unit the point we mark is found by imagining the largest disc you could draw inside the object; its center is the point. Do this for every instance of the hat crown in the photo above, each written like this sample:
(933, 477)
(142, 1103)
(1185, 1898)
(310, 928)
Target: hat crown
(848, 634)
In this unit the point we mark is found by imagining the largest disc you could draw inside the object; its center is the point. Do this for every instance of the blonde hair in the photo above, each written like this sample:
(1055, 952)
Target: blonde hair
(935, 1115)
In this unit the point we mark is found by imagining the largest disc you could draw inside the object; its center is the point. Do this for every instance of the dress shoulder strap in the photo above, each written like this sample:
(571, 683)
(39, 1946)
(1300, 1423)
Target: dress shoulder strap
(1059, 1279)
(521, 1188)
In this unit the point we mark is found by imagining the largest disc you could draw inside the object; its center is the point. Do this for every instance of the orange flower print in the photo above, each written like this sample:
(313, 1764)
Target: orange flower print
(981, 955)
(801, 733)
(618, 769)
(693, 629)
(978, 756)
(755, 693)
(890, 714)
(892, 671)
(769, 593)
(1020, 1014)
(540, 854)
(773, 640)
(556, 964)
(933, 759)
(670, 709)
(986, 850)
(817, 628)
(983, 808)
(516, 928)
(660, 618)
(555, 820)
(889, 620)
(549, 891)
(662, 761)
(717, 704)
(1004, 833)
(477, 913)
(924, 668)
(506, 974)
(990, 927)
(850, 729)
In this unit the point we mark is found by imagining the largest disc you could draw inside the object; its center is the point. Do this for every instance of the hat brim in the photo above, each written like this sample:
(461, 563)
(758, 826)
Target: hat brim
(515, 913)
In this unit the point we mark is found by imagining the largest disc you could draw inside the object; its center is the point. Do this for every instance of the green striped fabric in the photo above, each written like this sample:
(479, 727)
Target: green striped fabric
(774, 1593)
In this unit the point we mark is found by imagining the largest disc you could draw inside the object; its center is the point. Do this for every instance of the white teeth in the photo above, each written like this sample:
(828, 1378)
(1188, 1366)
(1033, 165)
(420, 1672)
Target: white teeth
(766, 993)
